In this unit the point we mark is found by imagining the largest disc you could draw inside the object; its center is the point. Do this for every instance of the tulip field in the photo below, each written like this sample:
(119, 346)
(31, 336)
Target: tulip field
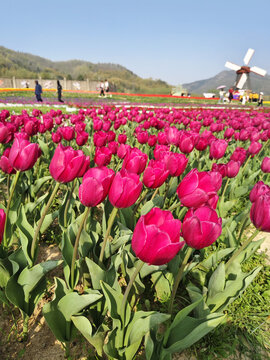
(155, 213)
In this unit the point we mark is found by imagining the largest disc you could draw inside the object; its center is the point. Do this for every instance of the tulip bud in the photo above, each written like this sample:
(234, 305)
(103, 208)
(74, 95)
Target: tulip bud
(156, 237)
(201, 227)
(135, 161)
(260, 188)
(125, 189)
(2, 223)
(266, 165)
(67, 164)
(95, 186)
(23, 154)
(5, 164)
(155, 174)
(260, 213)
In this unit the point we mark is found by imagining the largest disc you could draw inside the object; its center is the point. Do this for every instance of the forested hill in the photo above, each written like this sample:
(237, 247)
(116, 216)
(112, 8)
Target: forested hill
(23, 65)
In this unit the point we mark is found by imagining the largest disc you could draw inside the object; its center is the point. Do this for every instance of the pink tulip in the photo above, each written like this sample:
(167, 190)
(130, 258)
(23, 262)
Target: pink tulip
(266, 165)
(2, 223)
(199, 188)
(218, 148)
(155, 174)
(68, 133)
(232, 168)
(23, 154)
(156, 237)
(125, 189)
(254, 148)
(5, 164)
(260, 188)
(67, 164)
(95, 186)
(201, 227)
(135, 161)
(176, 163)
(260, 213)
(103, 156)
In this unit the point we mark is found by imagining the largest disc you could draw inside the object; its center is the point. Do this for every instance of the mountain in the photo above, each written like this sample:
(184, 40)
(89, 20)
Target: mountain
(24, 65)
(227, 78)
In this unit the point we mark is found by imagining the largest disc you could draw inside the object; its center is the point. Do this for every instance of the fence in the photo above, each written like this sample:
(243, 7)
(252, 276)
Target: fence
(86, 85)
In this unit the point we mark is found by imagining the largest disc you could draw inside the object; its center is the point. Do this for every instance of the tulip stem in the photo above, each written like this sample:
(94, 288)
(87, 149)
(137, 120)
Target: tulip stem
(13, 186)
(242, 247)
(242, 228)
(68, 202)
(8, 185)
(128, 288)
(154, 194)
(244, 168)
(139, 201)
(174, 206)
(108, 232)
(37, 229)
(76, 245)
(179, 277)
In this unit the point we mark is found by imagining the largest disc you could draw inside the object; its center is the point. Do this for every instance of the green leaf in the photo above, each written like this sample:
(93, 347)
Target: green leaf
(189, 332)
(127, 217)
(162, 280)
(195, 294)
(156, 202)
(235, 285)
(26, 235)
(38, 184)
(114, 302)
(217, 280)
(97, 274)
(48, 220)
(86, 329)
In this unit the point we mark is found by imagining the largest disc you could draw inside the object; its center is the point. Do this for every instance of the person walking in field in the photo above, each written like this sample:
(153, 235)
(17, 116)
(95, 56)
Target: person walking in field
(107, 87)
(102, 88)
(260, 100)
(38, 91)
(59, 91)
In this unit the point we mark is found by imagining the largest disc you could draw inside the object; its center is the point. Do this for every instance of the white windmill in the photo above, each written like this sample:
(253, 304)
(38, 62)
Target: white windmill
(242, 72)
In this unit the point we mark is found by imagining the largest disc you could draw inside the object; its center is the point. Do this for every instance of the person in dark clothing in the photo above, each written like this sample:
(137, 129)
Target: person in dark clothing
(59, 91)
(38, 91)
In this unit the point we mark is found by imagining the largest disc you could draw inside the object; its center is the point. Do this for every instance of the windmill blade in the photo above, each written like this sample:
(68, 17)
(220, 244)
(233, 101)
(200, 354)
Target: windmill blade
(241, 81)
(232, 66)
(258, 70)
(248, 56)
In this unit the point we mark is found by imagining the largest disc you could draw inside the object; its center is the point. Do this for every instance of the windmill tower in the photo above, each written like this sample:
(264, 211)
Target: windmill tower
(242, 72)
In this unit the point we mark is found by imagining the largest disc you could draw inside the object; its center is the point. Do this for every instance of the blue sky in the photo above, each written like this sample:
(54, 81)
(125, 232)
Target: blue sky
(176, 41)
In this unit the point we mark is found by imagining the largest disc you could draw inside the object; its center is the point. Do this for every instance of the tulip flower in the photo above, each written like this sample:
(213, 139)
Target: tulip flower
(156, 237)
(176, 163)
(100, 139)
(123, 150)
(172, 135)
(125, 189)
(103, 156)
(23, 154)
(5, 164)
(122, 138)
(95, 185)
(201, 227)
(254, 148)
(199, 188)
(260, 188)
(155, 174)
(266, 165)
(2, 223)
(239, 154)
(135, 161)
(217, 149)
(232, 168)
(81, 138)
(56, 137)
(67, 164)
(260, 212)
(68, 133)
(186, 142)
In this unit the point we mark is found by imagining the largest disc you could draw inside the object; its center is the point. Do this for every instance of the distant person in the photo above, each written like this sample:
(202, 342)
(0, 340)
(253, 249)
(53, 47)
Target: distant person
(260, 100)
(26, 85)
(244, 98)
(38, 91)
(230, 94)
(59, 91)
(221, 96)
(107, 87)
(101, 87)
